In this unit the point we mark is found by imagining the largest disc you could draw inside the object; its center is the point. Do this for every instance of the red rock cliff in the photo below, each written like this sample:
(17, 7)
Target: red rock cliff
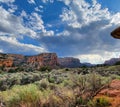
(44, 59)
(6, 62)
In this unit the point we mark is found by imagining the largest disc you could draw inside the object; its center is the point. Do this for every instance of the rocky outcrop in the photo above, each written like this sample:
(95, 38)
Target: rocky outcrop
(44, 59)
(69, 62)
(34, 62)
(5, 60)
(112, 61)
(37, 61)
(112, 93)
(10, 60)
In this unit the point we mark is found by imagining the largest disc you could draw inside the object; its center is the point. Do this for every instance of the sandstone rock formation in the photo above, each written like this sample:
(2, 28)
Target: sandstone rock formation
(34, 62)
(5, 60)
(69, 62)
(37, 61)
(10, 60)
(44, 59)
(112, 93)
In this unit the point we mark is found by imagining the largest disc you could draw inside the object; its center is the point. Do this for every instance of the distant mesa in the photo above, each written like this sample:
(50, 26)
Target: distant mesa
(35, 62)
(112, 61)
(116, 33)
(43, 59)
(69, 62)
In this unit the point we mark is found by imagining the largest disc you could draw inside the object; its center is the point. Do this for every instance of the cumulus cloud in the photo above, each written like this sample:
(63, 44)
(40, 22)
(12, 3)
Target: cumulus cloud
(11, 44)
(37, 24)
(88, 28)
(97, 58)
(83, 30)
(12, 25)
(7, 1)
(81, 13)
(31, 1)
(46, 1)
(39, 9)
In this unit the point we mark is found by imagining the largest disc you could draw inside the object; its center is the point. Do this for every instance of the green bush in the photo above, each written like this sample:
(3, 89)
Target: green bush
(99, 102)
(102, 102)
(51, 79)
(43, 84)
(18, 96)
(45, 68)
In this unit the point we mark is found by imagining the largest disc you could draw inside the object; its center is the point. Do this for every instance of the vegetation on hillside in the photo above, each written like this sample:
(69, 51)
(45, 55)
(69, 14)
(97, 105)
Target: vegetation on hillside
(56, 88)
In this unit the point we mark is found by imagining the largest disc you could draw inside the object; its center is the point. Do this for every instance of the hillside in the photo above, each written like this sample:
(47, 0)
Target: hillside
(76, 87)
(35, 62)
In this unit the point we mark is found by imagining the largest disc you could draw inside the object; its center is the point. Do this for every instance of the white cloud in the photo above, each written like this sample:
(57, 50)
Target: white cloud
(115, 19)
(13, 25)
(7, 1)
(12, 8)
(86, 32)
(31, 1)
(11, 44)
(70, 18)
(37, 9)
(64, 33)
(36, 23)
(98, 58)
(24, 14)
(1, 51)
(46, 1)
(81, 13)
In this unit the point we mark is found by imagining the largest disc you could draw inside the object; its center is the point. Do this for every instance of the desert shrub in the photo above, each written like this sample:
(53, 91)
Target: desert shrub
(117, 63)
(95, 81)
(27, 96)
(12, 71)
(51, 79)
(43, 84)
(67, 69)
(102, 102)
(45, 68)
(81, 101)
(62, 97)
(7, 80)
(114, 76)
(67, 83)
(52, 86)
(99, 102)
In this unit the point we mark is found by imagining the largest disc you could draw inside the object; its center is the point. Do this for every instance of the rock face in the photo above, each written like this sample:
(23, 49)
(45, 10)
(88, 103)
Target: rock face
(44, 59)
(112, 93)
(112, 61)
(69, 62)
(35, 62)
(10, 60)
(5, 60)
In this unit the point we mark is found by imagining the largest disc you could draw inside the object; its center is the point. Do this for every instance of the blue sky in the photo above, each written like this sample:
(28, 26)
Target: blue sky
(77, 28)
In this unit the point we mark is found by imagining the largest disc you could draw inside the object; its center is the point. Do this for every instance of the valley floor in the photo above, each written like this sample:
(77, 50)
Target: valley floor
(68, 87)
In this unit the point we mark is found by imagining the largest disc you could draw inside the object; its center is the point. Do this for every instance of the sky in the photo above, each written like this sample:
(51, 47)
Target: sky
(72, 28)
